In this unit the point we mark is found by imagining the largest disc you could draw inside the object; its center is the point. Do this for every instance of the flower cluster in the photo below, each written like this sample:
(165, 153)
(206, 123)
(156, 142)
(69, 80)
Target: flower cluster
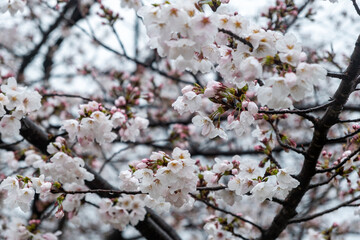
(96, 124)
(66, 169)
(15, 103)
(19, 193)
(19, 231)
(61, 167)
(240, 119)
(127, 209)
(13, 6)
(278, 186)
(180, 31)
(247, 177)
(177, 30)
(163, 177)
(298, 85)
(20, 190)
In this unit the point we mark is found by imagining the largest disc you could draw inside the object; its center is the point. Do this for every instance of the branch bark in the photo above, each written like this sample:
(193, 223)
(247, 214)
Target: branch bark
(27, 59)
(346, 87)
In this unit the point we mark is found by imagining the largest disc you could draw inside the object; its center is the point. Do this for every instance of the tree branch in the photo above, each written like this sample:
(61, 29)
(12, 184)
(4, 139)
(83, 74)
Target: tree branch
(336, 75)
(30, 56)
(227, 212)
(324, 182)
(277, 133)
(341, 139)
(67, 95)
(233, 35)
(324, 212)
(148, 228)
(346, 87)
(340, 164)
(356, 6)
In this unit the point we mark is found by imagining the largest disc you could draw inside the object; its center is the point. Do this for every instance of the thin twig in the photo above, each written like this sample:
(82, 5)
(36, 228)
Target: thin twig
(296, 111)
(324, 182)
(284, 145)
(67, 95)
(304, 219)
(4, 145)
(119, 40)
(107, 160)
(211, 188)
(227, 212)
(273, 160)
(340, 164)
(341, 139)
(111, 193)
(349, 120)
(162, 73)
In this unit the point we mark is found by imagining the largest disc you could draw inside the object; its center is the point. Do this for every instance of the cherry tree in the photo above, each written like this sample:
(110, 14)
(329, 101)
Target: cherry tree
(179, 119)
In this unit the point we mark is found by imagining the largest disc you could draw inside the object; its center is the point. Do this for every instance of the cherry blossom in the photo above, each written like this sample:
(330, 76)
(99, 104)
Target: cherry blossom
(190, 131)
(13, 6)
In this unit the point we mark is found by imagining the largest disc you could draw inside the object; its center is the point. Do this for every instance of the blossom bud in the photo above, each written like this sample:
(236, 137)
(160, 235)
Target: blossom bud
(59, 214)
(230, 118)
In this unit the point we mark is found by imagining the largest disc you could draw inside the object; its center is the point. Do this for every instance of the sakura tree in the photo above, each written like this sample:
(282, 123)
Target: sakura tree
(179, 119)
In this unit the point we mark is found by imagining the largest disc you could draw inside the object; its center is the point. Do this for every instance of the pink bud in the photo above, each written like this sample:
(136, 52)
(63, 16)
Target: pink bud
(230, 118)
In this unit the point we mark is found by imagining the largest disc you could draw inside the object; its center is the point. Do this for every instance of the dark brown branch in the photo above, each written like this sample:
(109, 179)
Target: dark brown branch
(31, 55)
(9, 145)
(349, 120)
(107, 160)
(324, 182)
(216, 188)
(273, 160)
(297, 111)
(48, 59)
(308, 170)
(101, 192)
(112, 193)
(341, 139)
(233, 35)
(34, 135)
(356, 6)
(336, 75)
(227, 212)
(67, 95)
